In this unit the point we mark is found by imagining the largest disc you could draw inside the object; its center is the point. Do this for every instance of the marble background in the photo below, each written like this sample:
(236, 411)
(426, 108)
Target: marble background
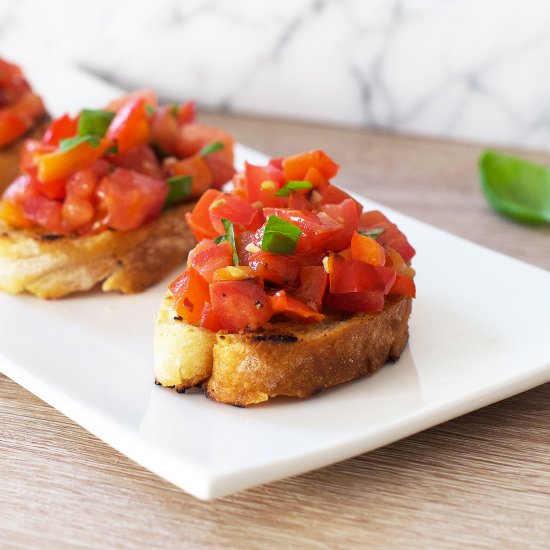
(467, 69)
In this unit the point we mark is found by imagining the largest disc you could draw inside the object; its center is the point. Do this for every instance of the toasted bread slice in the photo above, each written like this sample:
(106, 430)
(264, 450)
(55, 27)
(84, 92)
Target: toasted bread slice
(285, 358)
(52, 266)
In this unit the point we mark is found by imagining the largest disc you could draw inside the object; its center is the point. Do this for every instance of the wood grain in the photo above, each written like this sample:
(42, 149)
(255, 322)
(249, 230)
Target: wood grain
(482, 480)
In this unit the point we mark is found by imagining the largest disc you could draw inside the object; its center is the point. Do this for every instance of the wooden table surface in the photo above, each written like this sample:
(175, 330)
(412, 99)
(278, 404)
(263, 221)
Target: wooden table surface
(482, 480)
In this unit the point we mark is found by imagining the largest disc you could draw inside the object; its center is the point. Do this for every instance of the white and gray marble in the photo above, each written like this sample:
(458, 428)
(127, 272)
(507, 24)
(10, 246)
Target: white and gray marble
(467, 69)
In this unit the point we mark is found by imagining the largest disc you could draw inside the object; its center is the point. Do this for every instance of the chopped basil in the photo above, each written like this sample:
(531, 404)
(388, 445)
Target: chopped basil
(516, 187)
(94, 122)
(179, 188)
(373, 233)
(211, 148)
(70, 143)
(220, 239)
(293, 186)
(280, 236)
(230, 236)
(149, 109)
(174, 109)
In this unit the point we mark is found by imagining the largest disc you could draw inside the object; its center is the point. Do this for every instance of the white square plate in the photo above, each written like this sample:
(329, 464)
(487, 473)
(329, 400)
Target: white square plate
(480, 332)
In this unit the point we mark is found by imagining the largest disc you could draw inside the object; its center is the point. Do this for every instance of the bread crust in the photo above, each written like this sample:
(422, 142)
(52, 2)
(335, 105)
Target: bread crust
(292, 359)
(52, 266)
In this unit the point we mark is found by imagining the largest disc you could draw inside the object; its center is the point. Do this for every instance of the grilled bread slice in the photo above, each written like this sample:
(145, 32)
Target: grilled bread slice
(52, 266)
(284, 358)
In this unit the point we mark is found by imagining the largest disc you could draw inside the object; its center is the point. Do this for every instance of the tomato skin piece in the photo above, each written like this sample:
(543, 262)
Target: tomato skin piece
(391, 237)
(148, 95)
(131, 199)
(345, 213)
(30, 154)
(199, 219)
(44, 212)
(190, 292)
(240, 305)
(313, 286)
(186, 113)
(130, 126)
(367, 301)
(232, 208)
(255, 176)
(317, 179)
(210, 259)
(366, 249)
(13, 200)
(298, 201)
(293, 308)
(296, 166)
(403, 286)
(140, 158)
(355, 276)
(335, 195)
(195, 167)
(193, 137)
(281, 269)
(61, 128)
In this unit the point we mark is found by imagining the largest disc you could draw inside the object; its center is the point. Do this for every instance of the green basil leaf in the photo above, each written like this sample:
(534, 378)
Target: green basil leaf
(220, 239)
(94, 122)
(230, 236)
(113, 150)
(211, 148)
(149, 109)
(70, 143)
(179, 188)
(280, 236)
(516, 187)
(174, 109)
(373, 233)
(293, 186)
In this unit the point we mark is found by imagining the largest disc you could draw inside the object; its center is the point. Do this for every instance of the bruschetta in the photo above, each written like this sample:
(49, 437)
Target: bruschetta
(22, 113)
(103, 195)
(291, 289)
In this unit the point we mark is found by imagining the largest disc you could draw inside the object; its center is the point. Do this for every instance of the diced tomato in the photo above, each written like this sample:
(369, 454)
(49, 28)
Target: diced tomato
(298, 201)
(140, 158)
(165, 129)
(77, 212)
(355, 276)
(395, 260)
(335, 195)
(242, 241)
(148, 95)
(13, 200)
(193, 137)
(131, 199)
(391, 237)
(290, 307)
(232, 208)
(210, 259)
(209, 319)
(313, 286)
(313, 258)
(196, 168)
(366, 249)
(12, 126)
(403, 286)
(346, 214)
(316, 231)
(130, 126)
(281, 269)
(58, 165)
(240, 305)
(366, 301)
(317, 179)
(190, 292)
(221, 168)
(199, 219)
(276, 163)
(186, 113)
(262, 182)
(61, 128)
(28, 107)
(297, 166)
(44, 212)
(30, 154)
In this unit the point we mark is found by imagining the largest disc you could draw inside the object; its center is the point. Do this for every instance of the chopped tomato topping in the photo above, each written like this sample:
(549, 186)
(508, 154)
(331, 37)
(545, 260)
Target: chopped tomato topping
(280, 269)
(196, 168)
(240, 305)
(190, 293)
(61, 128)
(366, 301)
(199, 220)
(212, 258)
(366, 249)
(403, 286)
(232, 208)
(290, 307)
(313, 286)
(296, 167)
(130, 127)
